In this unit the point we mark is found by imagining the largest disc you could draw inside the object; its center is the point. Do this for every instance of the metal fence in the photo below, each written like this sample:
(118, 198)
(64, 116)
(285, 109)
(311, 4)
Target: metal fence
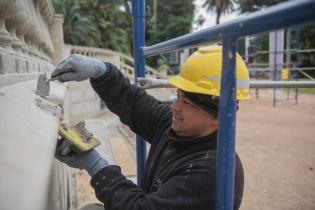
(280, 16)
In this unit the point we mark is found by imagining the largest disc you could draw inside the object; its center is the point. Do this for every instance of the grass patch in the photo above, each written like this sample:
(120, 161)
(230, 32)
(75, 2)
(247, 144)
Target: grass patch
(307, 90)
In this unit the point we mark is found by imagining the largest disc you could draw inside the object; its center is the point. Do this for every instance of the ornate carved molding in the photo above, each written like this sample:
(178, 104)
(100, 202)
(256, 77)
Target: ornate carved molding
(29, 34)
(25, 27)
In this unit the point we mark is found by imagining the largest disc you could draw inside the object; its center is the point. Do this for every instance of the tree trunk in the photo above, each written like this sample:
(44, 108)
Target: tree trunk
(218, 17)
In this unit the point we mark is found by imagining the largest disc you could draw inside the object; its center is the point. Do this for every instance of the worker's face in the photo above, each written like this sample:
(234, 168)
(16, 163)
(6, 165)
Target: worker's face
(189, 120)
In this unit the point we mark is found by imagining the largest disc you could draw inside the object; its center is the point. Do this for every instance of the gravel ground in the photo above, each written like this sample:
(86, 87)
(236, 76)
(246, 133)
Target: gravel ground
(276, 145)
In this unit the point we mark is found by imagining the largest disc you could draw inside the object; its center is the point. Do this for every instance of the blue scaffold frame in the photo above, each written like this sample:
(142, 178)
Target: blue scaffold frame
(139, 65)
(280, 16)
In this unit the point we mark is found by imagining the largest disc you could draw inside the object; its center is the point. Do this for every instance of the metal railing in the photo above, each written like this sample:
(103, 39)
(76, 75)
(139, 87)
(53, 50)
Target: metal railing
(149, 83)
(279, 16)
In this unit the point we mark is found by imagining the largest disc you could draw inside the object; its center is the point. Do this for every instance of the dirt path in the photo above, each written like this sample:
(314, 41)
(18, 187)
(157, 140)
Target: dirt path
(277, 147)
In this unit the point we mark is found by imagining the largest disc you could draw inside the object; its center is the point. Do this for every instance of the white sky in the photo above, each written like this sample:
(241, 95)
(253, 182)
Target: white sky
(210, 17)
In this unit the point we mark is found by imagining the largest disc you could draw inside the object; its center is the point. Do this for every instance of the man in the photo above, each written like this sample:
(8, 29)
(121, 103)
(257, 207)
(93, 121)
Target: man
(180, 171)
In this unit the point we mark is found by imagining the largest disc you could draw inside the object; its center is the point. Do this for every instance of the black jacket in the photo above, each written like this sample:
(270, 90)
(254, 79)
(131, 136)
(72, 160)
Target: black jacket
(180, 174)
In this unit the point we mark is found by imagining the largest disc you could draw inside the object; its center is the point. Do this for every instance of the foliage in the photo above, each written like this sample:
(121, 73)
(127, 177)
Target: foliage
(220, 7)
(58, 6)
(163, 20)
(307, 39)
(303, 38)
(108, 23)
(168, 20)
(259, 43)
(245, 6)
(172, 19)
(78, 28)
(307, 90)
(95, 23)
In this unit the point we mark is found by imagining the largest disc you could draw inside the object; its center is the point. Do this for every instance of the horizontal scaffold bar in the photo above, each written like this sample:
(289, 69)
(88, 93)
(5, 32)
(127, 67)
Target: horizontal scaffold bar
(149, 83)
(279, 16)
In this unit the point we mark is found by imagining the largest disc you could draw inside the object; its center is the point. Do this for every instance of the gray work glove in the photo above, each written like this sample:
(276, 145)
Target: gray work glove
(91, 161)
(77, 68)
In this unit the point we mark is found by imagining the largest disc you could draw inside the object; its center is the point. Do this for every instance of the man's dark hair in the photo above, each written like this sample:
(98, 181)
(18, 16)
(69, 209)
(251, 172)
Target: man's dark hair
(208, 103)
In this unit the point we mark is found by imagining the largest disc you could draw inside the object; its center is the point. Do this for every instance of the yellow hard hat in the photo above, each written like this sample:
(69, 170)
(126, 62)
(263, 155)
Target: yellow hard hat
(201, 73)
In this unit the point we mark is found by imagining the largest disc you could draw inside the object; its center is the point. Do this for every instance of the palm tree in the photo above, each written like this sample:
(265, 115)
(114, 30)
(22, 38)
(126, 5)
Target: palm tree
(95, 23)
(219, 7)
(79, 29)
(111, 22)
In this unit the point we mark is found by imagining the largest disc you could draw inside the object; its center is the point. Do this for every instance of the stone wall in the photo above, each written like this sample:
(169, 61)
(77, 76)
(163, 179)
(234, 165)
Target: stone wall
(31, 41)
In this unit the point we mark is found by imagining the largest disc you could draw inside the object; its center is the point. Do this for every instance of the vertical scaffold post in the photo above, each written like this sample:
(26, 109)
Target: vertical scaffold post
(275, 69)
(226, 138)
(139, 63)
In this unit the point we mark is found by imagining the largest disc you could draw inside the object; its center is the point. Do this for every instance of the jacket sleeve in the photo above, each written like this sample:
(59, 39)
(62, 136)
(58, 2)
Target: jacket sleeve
(141, 112)
(183, 191)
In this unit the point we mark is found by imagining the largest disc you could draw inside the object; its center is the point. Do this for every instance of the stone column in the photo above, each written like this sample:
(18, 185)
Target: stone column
(24, 26)
(56, 31)
(33, 34)
(7, 11)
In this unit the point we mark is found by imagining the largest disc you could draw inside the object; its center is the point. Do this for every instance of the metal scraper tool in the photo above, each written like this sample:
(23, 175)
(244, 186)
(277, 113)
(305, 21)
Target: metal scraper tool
(43, 87)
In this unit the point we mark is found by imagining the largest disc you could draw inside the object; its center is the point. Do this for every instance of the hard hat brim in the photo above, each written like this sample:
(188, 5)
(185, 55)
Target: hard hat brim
(186, 85)
(181, 83)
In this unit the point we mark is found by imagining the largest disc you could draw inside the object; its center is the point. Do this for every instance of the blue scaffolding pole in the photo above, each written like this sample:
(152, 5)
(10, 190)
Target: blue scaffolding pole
(139, 62)
(226, 142)
(279, 16)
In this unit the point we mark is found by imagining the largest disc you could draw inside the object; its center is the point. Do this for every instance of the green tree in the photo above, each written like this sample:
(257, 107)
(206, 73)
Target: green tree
(173, 18)
(78, 28)
(248, 6)
(307, 38)
(58, 6)
(108, 23)
(96, 23)
(111, 22)
(163, 20)
(220, 7)
(255, 5)
(170, 19)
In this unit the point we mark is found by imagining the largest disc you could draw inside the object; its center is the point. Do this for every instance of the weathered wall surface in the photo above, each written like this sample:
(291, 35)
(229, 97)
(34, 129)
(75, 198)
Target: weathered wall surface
(31, 41)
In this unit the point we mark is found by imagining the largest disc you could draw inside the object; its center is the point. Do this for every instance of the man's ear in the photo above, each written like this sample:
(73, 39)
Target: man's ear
(214, 121)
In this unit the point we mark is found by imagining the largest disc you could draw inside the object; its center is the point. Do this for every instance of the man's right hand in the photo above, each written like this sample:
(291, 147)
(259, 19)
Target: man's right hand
(77, 68)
